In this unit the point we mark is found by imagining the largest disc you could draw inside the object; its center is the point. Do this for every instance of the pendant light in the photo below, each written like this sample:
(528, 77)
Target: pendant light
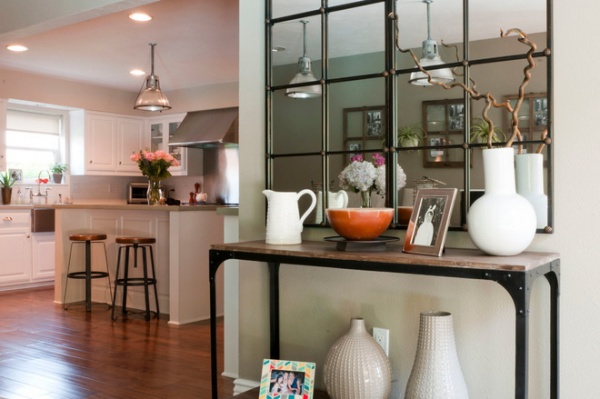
(304, 74)
(150, 98)
(431, 57)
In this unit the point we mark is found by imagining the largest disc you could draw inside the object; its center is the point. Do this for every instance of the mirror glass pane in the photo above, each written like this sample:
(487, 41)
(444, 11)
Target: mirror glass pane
(412, 30)
(288, 40)
(357, 41)
(294, 174)
(281, 8)
(296, 124)
(356, 115)
(488, 17)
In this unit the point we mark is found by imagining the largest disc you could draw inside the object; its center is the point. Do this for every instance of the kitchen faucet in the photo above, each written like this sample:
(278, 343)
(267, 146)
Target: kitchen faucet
(39, 191)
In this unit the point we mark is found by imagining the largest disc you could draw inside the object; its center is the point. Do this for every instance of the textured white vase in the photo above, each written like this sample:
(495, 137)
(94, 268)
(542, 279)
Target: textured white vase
(436, 373)
(356, 367)
(501, 222)
(530, 184)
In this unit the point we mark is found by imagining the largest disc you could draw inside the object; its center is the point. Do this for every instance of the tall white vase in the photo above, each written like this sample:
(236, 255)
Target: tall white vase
(501, 222)
(356, 367)
(436, 373)
(530, 184)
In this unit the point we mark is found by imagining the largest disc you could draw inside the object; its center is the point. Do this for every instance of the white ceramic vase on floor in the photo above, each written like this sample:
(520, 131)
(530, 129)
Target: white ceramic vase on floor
(356, 367)
(501, 222)
(436, 373)
(530, 184)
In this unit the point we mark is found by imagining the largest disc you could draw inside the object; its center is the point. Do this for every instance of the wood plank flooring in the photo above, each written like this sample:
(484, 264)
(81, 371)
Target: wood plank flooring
(49, 353)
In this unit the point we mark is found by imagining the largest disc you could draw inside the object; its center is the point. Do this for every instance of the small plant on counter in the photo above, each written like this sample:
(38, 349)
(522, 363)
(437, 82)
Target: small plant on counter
(411, 135)
(6, 180)
(59, 168)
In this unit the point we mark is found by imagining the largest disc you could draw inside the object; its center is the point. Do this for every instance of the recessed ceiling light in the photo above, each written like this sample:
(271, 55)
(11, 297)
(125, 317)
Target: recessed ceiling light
(17, 48)
(140, 16)
(137, 72)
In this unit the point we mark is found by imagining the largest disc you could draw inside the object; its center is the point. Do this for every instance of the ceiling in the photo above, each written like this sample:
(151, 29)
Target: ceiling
(197, 40)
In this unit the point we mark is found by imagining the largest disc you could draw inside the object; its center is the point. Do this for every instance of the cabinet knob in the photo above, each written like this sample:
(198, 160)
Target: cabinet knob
(90, 161)
(7, 219)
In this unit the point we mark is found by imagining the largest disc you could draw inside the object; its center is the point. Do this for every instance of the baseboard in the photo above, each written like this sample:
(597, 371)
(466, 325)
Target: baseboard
(240, 385)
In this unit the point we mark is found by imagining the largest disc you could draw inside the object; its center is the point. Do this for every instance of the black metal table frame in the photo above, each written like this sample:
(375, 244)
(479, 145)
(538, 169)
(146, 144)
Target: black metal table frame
(517, 283)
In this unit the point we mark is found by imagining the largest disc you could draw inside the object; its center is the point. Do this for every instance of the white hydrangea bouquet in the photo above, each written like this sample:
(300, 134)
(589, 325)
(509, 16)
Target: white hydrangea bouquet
(364, 177)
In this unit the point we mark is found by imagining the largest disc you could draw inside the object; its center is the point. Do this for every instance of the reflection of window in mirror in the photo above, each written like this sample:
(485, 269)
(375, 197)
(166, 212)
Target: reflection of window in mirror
(533, 119)
(444, 122)
(364, 129)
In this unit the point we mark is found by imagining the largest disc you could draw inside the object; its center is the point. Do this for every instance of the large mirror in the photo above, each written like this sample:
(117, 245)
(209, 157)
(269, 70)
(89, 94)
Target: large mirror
(364, 96)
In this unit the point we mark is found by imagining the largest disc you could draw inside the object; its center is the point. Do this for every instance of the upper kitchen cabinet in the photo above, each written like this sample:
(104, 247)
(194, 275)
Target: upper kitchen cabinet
(161, 130)
(101, 144)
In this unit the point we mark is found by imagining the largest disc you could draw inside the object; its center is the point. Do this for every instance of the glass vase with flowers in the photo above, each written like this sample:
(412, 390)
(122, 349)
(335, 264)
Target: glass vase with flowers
(155, 166)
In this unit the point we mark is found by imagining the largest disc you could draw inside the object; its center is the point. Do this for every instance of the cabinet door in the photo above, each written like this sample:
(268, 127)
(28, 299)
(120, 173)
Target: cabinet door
(43, 256)
(15, 268)
(131, 139)
(100, 143)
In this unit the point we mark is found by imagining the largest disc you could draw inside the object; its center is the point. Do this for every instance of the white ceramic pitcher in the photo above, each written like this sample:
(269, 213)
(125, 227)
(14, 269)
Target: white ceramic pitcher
(284, 224)
(334, 200)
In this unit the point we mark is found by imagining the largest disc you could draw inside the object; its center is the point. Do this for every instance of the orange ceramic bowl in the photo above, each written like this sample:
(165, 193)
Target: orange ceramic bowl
(360, 224)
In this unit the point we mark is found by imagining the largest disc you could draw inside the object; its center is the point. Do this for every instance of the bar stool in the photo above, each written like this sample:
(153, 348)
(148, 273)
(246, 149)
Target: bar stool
(145, 245)
(88, 274)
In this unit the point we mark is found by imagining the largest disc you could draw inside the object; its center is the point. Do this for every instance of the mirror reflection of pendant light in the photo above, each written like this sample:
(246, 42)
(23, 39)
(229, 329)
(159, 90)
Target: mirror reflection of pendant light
(431, 57)
(304, 74)
(150, 98)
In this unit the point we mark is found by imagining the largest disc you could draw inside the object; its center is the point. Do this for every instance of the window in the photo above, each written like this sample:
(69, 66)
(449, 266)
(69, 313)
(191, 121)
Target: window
(33, 141)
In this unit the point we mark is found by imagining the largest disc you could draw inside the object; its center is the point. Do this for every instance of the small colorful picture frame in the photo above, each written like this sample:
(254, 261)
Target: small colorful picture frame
(286, 379)
(426, 233)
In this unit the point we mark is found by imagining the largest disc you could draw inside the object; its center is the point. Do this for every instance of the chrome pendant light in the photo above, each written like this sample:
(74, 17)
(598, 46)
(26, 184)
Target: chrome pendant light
(431, 57)
(150, 98)
(304, 74)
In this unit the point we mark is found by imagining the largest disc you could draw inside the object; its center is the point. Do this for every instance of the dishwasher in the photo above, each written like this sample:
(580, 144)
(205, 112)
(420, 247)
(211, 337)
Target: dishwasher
(42, 220)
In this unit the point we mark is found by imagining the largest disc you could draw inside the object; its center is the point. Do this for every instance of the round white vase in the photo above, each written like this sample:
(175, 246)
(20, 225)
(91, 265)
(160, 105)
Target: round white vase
(530, 184)
(501, 222)
(436, 373)
(356, 367)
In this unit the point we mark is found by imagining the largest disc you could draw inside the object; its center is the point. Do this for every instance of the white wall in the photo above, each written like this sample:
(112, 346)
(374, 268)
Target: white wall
(483, 311)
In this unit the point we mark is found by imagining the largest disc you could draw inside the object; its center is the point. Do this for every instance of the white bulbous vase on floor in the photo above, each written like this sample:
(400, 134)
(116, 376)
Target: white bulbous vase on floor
(501, 222)
(356, 367)
(530, 184)
(436, 373)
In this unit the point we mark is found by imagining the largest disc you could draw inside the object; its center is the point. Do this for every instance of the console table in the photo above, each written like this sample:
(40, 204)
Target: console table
(515, 273)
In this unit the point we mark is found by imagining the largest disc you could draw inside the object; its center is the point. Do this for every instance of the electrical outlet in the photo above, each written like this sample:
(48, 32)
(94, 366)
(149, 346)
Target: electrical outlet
(382, 337)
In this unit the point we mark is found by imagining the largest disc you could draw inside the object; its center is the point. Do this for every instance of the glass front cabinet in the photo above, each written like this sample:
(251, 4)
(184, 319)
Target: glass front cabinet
(161, 131)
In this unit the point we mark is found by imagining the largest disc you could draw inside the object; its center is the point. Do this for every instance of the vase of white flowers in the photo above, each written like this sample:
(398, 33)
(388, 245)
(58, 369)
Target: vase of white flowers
(366, 177)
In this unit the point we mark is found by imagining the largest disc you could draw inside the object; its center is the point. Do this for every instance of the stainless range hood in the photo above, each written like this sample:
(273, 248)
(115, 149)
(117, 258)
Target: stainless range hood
(206, 129)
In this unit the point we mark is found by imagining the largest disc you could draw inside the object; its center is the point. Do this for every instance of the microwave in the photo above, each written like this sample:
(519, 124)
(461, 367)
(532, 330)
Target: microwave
(138, 193)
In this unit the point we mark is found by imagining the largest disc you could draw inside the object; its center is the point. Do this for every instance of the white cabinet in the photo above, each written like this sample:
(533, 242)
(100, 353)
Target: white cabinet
(161, 130)
(101, 143)
(31, 256)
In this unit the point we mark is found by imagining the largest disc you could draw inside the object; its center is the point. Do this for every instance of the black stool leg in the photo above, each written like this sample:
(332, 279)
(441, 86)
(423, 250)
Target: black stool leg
(88, 276)
(125, 278)
(146, 295)
(114, 302)
(155, 280)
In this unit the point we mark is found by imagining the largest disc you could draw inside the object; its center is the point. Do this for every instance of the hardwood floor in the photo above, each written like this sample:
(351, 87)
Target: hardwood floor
(49, 353)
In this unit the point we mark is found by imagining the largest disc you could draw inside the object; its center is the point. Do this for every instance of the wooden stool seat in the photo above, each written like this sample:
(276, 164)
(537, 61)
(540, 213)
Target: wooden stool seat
(88, 274)
(143, 244)
(135, 240)
(87, 237)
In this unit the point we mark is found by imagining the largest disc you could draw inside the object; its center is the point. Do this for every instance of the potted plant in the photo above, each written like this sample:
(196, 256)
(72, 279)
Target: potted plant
(411, 136)
(6, 181)
(480, 131)
(58, 170)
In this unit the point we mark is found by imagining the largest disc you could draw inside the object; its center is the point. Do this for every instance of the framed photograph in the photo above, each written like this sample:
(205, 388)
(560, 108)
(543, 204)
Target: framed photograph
(286, 379)
(428, 224)
(16, 174)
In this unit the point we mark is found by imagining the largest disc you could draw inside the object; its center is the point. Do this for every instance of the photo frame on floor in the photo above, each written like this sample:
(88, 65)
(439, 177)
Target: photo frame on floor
(428, 226)
(287, 379)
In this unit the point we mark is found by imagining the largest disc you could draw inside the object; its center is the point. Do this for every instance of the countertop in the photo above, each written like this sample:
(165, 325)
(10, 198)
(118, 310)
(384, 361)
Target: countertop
(124, 207)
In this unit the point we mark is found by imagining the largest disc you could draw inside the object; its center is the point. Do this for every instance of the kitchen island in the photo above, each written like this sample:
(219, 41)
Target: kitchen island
(183, 234)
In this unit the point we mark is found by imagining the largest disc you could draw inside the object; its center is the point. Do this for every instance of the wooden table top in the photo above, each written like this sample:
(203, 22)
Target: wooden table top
(253, 394)
(452, 257)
